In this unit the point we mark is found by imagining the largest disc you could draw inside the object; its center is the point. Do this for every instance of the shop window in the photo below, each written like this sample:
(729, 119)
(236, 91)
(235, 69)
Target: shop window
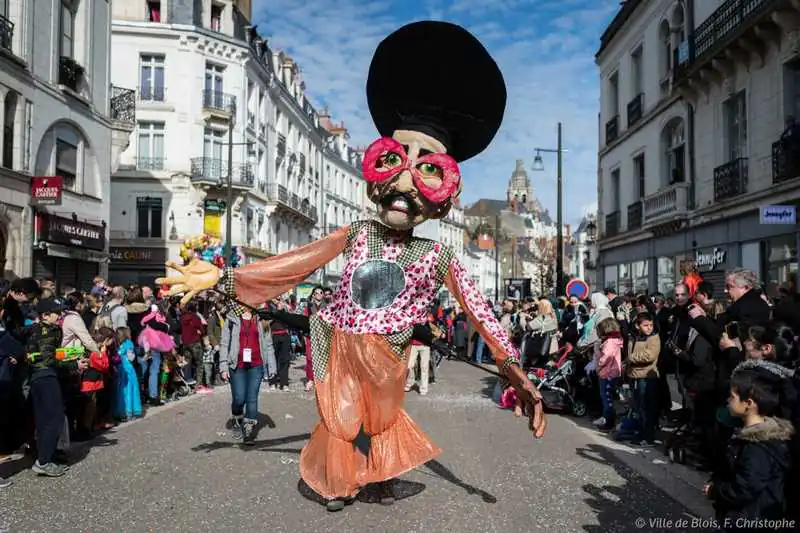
(625, 279)
(781, 262)
(666, 275)
(149, 217)
(639, 277)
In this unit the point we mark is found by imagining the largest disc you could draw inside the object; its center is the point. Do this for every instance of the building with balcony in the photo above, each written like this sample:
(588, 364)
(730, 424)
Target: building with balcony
(344, 188)
(736, 72)
(644, 190)
(297, 162)
(61, 117)
(204, 116)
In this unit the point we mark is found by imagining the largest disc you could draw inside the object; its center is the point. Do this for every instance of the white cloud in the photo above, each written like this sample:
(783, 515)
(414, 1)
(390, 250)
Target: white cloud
(544, 48)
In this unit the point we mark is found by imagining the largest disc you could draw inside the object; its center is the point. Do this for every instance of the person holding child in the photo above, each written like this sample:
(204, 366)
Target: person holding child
(608, 365)
(642, 369)
(43, 339)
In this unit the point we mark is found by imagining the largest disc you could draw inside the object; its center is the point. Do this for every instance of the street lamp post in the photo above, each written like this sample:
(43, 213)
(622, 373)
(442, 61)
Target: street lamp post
(229, 210)
(488, 242)
(229, 207)
(538, 166)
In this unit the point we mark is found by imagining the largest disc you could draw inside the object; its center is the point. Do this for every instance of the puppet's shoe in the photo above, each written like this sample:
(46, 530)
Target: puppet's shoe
(386, 493)
(339, 503)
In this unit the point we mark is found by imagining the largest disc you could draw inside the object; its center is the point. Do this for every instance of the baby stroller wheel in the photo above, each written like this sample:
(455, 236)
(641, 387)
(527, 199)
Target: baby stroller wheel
(578, 408)
(671, 454)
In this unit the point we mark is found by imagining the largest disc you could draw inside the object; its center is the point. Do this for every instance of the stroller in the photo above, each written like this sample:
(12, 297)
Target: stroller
(173, 382)
(559, 383)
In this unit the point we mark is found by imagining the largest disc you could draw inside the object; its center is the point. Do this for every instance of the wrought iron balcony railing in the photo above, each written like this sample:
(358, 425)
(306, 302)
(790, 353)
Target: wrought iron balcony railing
(123, 104)
(278, 192)
(612, 224)
(149, 163)
(154, 93)
(219, 101)
(785, 161)
(635, 216)
(612, 129)
(216, 170)
(69, 73)
(728, 21)
(6, 33)
(635, 109)
(730, 179)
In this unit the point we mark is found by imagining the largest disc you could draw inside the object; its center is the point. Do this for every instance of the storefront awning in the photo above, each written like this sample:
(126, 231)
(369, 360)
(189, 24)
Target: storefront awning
(81, 254)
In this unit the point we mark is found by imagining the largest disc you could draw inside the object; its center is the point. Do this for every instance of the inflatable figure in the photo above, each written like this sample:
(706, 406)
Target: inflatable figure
(437, 98)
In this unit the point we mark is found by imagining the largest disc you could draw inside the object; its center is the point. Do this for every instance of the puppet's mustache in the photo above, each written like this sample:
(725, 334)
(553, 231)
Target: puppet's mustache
(413, 207)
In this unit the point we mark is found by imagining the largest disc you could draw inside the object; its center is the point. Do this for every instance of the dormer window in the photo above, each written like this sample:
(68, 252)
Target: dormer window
(216, 17)
(154, 10)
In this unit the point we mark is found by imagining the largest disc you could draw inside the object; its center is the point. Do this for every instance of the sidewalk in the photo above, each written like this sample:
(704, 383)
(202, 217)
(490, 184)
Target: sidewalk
(680, 482)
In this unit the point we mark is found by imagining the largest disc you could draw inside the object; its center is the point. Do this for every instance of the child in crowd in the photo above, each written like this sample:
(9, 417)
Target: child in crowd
(642, 370)
(608, 364)
(510, 400)
(759, 459)
(93, 381)
(43, 339)
(127, 400)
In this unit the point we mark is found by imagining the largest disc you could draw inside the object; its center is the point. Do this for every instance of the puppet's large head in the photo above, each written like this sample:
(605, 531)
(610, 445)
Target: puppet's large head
(437, 98)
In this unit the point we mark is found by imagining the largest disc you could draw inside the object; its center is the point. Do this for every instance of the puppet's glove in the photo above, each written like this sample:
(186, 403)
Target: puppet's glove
(531, 399)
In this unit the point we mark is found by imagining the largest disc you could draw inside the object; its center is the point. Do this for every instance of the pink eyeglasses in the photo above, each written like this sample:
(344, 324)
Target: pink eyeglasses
(435, 175)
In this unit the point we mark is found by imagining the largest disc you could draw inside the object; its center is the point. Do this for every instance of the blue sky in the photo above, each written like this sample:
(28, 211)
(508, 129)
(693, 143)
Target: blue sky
(545, 49)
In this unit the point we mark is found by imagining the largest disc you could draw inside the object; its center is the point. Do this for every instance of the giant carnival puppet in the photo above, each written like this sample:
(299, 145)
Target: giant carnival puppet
(437, 99)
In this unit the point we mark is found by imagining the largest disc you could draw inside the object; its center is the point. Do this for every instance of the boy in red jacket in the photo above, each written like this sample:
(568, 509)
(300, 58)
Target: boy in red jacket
(192, 332)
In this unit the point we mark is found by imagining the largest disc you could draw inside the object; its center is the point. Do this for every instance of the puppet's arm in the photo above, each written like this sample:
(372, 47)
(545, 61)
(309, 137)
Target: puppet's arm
(506, 355)
(259, 282)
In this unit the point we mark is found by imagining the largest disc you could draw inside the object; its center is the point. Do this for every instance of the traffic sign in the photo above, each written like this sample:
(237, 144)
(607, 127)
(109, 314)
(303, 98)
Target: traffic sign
(579, 288)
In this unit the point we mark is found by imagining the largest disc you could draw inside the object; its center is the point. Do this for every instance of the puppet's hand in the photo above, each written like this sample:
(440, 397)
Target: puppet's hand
(195, 277)
(531, 400)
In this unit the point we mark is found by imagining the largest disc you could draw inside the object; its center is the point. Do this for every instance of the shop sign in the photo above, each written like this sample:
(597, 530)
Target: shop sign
(778, 214)
(139, 255)
(212, 217)
(711, 260)
(69, 232)
(46, 190)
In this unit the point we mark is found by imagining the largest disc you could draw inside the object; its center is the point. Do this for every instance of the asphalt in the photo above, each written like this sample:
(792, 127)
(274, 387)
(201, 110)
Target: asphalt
(177, 469)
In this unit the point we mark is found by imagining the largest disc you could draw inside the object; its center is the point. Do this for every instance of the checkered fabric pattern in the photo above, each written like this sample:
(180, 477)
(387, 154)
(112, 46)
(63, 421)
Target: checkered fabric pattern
(229, 287)
(378, 236)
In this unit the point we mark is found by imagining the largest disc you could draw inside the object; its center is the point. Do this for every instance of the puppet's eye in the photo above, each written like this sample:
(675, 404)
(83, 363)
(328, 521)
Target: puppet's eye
(429, 170)
(390, 160)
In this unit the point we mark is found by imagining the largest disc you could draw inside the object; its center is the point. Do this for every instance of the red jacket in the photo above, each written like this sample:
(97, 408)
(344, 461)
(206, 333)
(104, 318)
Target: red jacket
(191, 328)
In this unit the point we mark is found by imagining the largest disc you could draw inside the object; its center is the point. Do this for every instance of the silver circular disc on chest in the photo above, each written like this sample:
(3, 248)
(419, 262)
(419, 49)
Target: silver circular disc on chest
(376, 283)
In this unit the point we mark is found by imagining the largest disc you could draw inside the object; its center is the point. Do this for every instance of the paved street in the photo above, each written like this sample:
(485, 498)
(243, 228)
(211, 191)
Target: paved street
(177, 470)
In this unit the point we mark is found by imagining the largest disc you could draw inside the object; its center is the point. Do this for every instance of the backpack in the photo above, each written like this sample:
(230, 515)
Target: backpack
(103, 319)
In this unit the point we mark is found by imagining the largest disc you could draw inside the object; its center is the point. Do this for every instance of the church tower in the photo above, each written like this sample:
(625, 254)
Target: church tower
(520, 191)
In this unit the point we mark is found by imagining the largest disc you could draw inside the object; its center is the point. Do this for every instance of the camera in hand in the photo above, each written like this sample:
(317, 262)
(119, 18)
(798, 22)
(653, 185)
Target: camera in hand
(733, 330)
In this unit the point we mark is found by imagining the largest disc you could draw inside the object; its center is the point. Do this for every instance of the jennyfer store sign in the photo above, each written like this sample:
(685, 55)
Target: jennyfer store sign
(710, 260)
(69, 232)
